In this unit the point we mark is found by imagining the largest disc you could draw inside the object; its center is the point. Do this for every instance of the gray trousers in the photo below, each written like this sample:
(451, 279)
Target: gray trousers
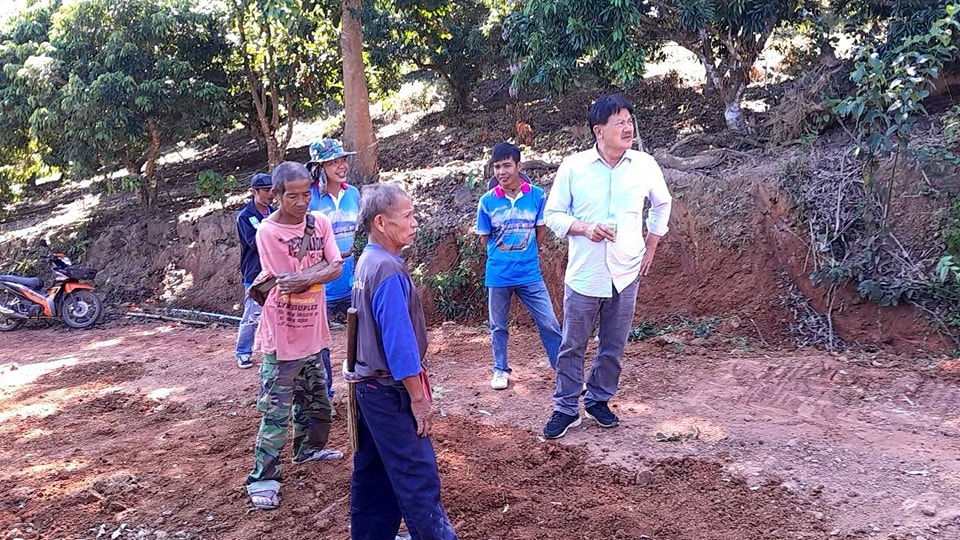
(579, 314)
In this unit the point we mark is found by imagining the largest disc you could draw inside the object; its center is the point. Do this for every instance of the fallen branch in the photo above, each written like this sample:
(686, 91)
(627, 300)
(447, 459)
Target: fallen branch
(165, 318)
(699, 161)
(206, 314)
(765, 344)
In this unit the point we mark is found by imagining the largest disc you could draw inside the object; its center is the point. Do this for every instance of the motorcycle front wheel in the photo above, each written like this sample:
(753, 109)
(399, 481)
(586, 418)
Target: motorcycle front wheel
(80, 309)
(11, 302)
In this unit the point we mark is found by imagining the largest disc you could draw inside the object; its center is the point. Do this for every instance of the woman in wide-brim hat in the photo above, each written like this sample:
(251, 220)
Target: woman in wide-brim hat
(339, 201)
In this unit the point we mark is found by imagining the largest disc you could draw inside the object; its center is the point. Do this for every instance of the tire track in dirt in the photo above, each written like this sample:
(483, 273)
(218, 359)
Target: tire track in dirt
(791, 392)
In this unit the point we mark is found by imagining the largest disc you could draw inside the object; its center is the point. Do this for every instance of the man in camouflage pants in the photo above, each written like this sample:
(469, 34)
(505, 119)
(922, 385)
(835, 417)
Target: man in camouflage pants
(293, 329)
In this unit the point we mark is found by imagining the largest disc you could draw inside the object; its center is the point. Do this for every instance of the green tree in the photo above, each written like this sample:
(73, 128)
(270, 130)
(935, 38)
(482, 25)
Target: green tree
(614, 37)
(25, 83)
(289, 59)
(131, 76)
(884, 24)
(889, 96)
(458, 41)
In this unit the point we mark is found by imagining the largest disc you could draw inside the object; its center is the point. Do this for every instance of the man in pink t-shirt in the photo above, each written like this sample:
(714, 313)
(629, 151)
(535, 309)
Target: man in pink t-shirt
(293, 329)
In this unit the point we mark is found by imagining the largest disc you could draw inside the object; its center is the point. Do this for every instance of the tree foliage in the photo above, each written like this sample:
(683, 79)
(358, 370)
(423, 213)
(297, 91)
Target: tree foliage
(557, 42)
(884, 24)
(98, 82)
(288, 59)
(613, 38)
(24, 87)
(139, 73)
(460, 41)
(890, 89)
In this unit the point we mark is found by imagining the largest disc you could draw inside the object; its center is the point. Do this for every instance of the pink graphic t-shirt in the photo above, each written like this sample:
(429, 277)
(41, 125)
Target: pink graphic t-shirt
(294, 326)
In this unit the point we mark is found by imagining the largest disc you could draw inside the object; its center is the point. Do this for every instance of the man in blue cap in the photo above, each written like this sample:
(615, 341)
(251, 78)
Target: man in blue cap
(248, 220)
(332, 196)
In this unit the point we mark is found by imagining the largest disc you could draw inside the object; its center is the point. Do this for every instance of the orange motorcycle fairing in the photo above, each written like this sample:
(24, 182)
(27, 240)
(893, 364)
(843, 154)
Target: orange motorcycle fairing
(72, 286)
(44, 302)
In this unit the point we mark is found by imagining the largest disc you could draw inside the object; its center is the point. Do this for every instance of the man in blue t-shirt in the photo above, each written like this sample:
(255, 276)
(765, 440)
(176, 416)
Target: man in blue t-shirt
(331, 195)
(510, 224)
(248, 220)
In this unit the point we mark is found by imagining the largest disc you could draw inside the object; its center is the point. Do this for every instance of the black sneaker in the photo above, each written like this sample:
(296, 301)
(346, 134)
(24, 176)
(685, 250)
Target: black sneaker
(559, 423)
(603, 415)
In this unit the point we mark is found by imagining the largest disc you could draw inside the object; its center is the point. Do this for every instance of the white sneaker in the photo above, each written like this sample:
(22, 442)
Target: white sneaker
(500, 380)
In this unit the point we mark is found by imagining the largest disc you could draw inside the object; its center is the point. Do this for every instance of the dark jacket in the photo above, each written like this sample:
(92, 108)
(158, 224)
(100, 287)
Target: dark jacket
(248, 220)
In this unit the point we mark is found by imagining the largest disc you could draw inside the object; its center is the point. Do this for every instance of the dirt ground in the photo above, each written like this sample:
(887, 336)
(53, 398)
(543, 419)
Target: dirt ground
(137, 430)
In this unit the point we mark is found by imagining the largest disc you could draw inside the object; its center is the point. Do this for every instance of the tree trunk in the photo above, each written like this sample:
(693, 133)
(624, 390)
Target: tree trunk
(358, 128)
(149, 184)
(732, 95)
(259, 95)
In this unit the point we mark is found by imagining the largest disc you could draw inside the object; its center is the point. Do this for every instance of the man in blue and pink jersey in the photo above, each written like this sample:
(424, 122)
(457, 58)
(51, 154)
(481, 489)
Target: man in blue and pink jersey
(510, 224)
(334, 198)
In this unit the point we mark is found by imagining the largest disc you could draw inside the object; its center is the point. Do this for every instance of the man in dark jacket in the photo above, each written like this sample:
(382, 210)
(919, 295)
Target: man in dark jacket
(259, 207)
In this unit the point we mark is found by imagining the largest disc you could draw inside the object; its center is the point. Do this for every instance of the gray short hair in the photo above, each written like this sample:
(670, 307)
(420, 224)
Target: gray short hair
(288, 171)
(376, 199)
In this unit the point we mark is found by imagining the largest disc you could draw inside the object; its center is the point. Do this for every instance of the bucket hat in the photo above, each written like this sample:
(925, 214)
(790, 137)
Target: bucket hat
(326, 150)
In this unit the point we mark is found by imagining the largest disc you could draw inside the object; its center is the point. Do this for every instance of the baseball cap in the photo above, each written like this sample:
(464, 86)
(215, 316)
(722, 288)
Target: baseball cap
(261, 180)
(326, 150)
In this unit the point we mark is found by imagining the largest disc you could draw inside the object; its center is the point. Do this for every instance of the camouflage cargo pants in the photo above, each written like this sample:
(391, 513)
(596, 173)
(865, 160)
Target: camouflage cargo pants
(297, 386)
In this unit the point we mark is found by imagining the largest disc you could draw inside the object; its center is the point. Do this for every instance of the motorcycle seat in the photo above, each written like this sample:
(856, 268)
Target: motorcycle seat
(32, 282)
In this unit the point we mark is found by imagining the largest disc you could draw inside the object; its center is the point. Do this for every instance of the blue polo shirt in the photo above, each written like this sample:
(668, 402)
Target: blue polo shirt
(343, 212)
(512, 254)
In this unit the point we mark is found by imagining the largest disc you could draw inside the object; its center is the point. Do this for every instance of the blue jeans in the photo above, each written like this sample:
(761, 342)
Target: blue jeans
(536, 299)
(248, 324)
(337, 304)
(579, 314)
(394, 471)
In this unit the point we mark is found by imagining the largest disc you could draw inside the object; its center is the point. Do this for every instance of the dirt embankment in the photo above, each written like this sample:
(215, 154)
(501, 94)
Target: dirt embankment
(172, 258)
(724, 271)
(734, 266)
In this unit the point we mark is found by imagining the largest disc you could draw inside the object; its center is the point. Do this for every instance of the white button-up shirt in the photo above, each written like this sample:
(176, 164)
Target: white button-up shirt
(588, 189)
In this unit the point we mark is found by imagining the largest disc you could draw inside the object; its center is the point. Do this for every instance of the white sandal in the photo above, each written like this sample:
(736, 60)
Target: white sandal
(264, 495)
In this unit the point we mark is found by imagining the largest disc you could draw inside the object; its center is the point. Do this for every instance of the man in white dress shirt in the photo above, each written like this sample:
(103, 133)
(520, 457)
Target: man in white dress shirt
(597, 203)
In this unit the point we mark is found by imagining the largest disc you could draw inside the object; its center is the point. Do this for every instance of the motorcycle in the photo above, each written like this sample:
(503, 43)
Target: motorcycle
(69, 297)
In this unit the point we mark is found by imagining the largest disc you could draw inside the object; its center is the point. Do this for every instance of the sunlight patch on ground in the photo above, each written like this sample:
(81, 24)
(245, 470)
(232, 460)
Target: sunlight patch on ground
(162, 329)
(64, 215)
(103, 344)
(680, 60)
(48, 469)
(689, 428)
(38, 410)
(210, 207)
(163, 393)
(306, 133)
(53, 399)
(633, 407)
(426, 176)
(178, 156)
(403, 124)
(454, 460)
(951, 478)
(755, 105)
(34, 434)
(26, 374)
